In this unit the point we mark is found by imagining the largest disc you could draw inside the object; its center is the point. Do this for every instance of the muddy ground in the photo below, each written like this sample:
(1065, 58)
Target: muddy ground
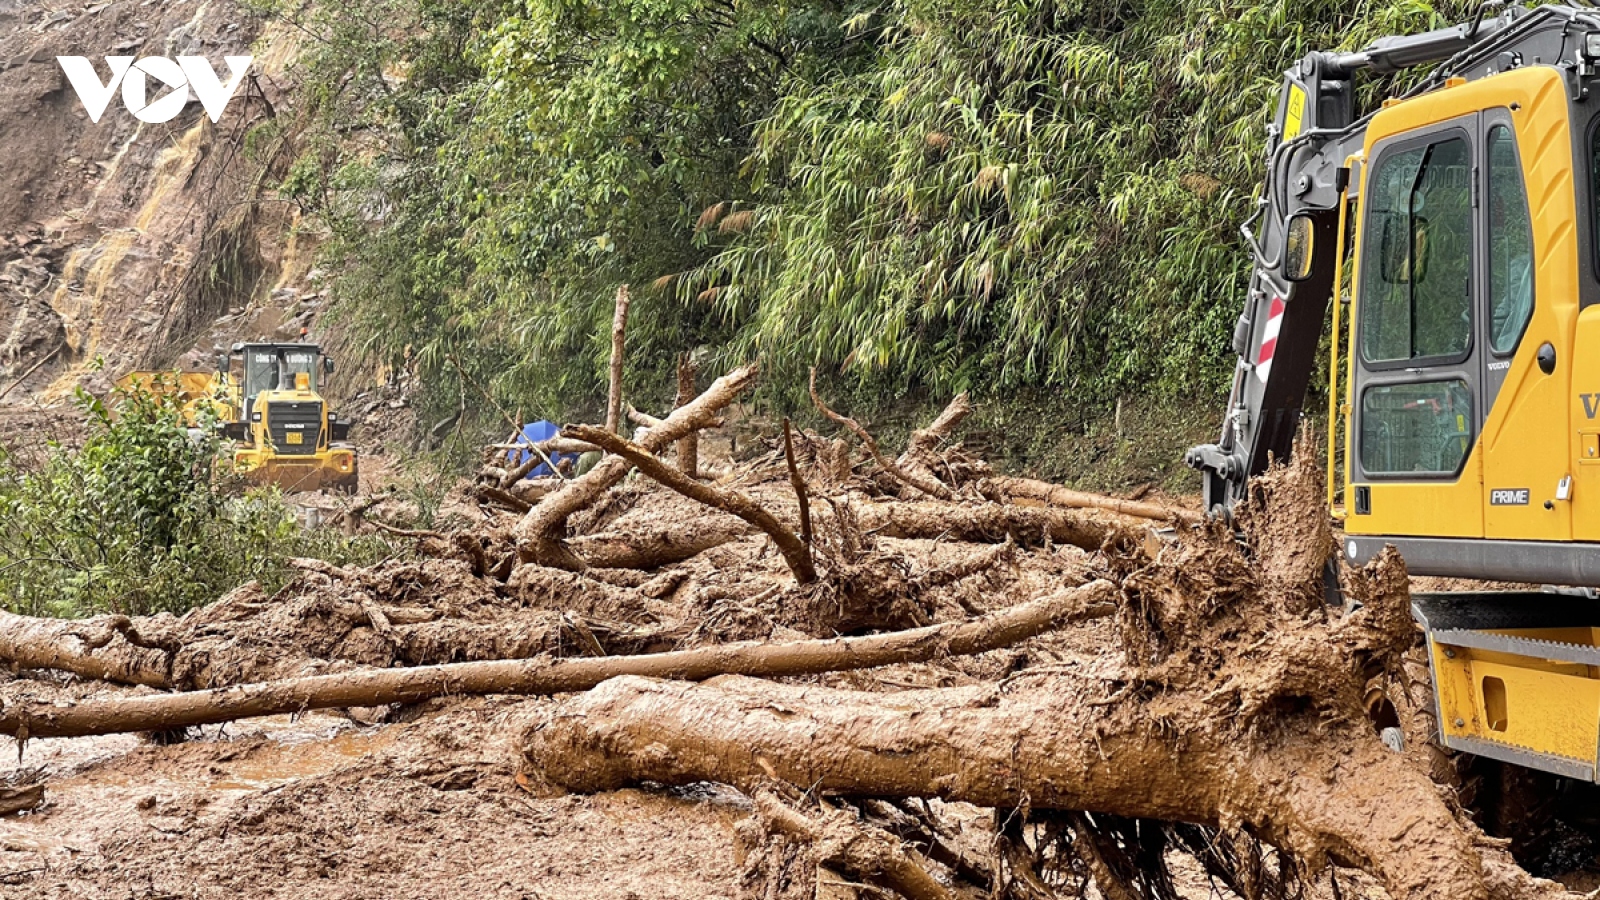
(323, 806)
(1214, 717)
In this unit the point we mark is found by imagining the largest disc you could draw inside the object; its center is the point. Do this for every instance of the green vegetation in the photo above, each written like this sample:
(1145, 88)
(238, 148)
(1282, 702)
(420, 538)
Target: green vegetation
(139, 520)
(923, 195)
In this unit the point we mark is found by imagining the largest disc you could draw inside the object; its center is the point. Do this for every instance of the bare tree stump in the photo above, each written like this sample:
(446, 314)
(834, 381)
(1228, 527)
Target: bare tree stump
(619, 332)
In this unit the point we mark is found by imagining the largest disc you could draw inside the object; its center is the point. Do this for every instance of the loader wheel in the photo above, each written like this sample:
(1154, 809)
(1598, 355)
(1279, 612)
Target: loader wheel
(1548, 819)
(351, 483)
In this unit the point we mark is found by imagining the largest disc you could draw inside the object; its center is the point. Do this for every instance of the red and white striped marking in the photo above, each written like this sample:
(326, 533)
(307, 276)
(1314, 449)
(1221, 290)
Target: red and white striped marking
(1269, 339)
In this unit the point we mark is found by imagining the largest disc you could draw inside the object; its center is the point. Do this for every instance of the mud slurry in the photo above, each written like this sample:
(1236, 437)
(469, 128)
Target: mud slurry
(321, 807)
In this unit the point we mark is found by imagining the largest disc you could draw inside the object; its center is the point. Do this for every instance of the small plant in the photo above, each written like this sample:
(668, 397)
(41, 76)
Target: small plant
(142, 519)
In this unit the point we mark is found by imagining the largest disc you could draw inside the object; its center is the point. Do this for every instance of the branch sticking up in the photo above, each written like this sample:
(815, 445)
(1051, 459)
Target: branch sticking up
(541, 534)
(797, 482)
(619, 330)
(925, 440)
(689, 444)
(921, 483)
(795, 552)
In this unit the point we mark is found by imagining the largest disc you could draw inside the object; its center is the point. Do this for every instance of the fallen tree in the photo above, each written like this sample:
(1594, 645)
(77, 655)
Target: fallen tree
(164, 712)
(73, 646)
(1213, 709)
(1235, 708)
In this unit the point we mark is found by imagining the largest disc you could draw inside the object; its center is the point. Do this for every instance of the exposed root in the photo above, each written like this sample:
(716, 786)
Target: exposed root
(861, 851)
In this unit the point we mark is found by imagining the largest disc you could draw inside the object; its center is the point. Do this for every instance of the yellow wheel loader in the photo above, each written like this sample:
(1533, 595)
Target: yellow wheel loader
(283, 431)
(1454, 231)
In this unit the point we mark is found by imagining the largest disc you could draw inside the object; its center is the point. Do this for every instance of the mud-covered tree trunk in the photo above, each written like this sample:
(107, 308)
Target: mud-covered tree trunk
(1048, 746)
(105, 648)
(1237, 705)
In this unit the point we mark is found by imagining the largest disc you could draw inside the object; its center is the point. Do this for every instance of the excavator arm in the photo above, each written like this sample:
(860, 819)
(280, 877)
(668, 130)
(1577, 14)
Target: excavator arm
(1472, 440)
(1292, 235)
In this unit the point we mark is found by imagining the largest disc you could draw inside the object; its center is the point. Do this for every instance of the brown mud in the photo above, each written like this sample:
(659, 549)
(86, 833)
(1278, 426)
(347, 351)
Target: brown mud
(1207, 731)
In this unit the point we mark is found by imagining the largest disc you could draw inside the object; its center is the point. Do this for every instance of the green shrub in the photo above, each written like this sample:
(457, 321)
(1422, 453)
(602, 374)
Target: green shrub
(141, 519)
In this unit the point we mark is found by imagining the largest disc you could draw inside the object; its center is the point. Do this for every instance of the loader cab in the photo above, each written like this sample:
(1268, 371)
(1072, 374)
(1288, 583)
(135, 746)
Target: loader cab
(281, 367)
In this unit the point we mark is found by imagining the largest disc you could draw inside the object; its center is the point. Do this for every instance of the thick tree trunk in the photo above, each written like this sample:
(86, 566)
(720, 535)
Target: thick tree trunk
(1052, 746)
(543, 676)
(97, 648)
(1056, 495)
(985, 523)
(662, 546)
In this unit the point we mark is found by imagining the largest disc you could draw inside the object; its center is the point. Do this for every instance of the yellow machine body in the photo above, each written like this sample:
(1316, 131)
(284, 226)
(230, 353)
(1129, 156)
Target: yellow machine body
(283, 431)
(1524, 504)
(296, 459)
(1526, 439)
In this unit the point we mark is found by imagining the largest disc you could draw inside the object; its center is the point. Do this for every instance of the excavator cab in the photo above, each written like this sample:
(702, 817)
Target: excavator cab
(1453, 235)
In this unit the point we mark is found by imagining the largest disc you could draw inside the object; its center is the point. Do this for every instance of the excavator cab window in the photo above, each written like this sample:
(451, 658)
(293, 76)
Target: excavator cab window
(1510, 245)
(1416, 309)
(1418, 299)
(1423, 427)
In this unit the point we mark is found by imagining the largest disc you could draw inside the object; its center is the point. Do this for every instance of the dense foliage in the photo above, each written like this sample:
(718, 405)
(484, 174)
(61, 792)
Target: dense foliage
(928, 194)
(137, 520)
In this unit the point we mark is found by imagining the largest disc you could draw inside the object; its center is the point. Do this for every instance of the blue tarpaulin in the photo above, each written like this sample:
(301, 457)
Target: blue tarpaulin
(532, 433)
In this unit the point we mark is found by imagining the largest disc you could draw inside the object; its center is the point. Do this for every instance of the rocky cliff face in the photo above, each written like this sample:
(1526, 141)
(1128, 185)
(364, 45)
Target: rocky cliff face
(138, 244)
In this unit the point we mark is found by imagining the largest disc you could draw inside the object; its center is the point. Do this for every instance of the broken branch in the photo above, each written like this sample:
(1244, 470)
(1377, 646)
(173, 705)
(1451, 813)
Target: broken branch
(921, 483)
(798, 483)
(795, 552)
(541, 533)
(689, 444)
(619, 330)
(1056, 495)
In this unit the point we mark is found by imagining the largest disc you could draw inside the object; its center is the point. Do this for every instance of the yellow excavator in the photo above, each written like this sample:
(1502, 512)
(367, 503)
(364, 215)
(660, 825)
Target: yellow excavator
(281, 427)
(1452, 238)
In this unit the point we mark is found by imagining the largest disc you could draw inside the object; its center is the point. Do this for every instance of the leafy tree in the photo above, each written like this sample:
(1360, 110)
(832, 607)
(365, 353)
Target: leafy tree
(935, 194)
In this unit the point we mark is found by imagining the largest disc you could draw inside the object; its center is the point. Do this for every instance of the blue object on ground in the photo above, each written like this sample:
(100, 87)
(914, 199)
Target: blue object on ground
(533, 433)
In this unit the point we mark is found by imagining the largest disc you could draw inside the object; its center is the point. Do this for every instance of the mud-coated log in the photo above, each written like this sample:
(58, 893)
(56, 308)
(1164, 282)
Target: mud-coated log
(1053, 744)
(544, 676)
(985, 523)
(541, 533)
(97, 648)
(1056, 495)
(17, 799)
(669, 543)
